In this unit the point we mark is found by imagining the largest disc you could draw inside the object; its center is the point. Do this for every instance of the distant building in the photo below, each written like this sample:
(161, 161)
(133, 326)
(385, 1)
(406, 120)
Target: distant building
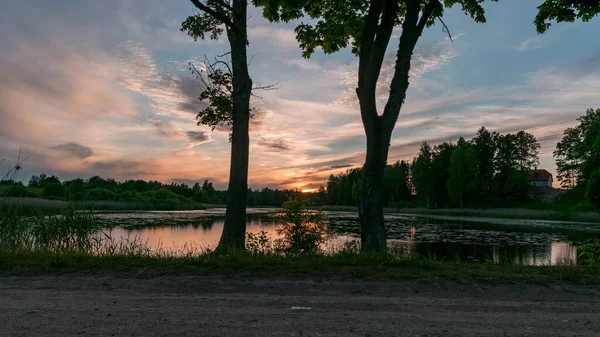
(540, 178)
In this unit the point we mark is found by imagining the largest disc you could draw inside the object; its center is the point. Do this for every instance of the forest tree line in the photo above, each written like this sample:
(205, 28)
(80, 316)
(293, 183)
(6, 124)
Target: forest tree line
(487, 170)
(149, 192)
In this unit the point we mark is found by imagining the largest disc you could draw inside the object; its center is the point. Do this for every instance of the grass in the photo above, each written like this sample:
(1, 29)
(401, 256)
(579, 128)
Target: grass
(241, 264)
(70, 242)
(505, 213)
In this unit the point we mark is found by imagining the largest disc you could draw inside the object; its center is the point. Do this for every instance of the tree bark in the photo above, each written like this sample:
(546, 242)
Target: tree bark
(234, 229)
(378, 129)
(373, 234)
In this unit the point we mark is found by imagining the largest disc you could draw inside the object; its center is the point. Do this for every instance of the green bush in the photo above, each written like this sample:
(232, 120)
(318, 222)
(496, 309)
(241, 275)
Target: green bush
(53, 189)
(19, 191)
(303, 230)
(593, 190)
(589, 253)
(101, 194)
(583, 207)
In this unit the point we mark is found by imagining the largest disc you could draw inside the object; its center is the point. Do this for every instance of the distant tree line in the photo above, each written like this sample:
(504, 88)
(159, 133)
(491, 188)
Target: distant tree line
(98, 188)
(489, 170)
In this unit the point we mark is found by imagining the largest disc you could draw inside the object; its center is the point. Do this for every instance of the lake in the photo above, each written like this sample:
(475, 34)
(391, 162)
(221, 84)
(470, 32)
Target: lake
(529, 242)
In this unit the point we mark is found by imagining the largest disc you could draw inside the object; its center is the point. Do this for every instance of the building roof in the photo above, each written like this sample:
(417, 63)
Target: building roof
(539, 175)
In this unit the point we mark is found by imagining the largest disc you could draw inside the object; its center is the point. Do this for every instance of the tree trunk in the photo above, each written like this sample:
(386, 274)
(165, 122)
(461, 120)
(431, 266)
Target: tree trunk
(370, 211)
(234, 229)
(378, 129)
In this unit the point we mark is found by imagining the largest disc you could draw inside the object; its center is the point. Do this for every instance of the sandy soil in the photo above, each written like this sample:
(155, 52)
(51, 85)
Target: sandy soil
(216, 306)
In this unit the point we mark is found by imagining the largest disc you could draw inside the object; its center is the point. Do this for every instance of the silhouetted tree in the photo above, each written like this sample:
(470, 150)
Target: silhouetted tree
(368, 26)
(574, 159)
(593, 189)
(214, 16)
(461, 173)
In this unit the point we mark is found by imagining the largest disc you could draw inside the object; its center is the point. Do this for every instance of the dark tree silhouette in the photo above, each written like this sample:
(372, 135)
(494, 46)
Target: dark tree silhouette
(565, 11)
(368, 26)
(232, 15)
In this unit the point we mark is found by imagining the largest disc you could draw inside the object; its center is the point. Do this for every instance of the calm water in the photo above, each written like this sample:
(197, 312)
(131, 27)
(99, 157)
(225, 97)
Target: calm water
(493, 240)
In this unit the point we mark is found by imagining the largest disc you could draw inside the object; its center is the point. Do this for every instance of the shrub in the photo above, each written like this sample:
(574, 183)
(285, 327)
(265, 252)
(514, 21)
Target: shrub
(53, 189)
(259, 243)
(19, 191)
(589, 253)
(303, 230)
(593, 190)
(101, 194)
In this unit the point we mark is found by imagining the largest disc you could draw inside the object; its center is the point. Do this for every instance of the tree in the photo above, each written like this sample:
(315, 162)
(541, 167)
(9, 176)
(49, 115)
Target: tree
(397, 183)
(422, 173)
(461, 173)
(574, 159)
(484, 147)
(593, 189)
(367, 25)
(355, 192)
(527, 151)
(565, 11)
(214, 14)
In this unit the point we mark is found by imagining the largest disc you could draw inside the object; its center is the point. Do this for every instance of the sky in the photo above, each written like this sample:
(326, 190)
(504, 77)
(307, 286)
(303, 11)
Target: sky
(103, 88)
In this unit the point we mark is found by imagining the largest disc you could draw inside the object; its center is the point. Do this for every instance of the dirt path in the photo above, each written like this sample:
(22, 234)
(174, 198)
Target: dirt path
(201, 306)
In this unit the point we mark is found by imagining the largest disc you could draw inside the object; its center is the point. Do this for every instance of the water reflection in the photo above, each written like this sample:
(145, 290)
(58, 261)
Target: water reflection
(434, 238)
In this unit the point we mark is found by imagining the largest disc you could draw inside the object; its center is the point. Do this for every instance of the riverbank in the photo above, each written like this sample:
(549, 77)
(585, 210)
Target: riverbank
(504, 213)
(342, 265)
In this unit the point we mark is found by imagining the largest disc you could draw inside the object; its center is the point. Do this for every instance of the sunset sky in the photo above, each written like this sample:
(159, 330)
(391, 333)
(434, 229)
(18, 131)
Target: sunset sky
(103, 88)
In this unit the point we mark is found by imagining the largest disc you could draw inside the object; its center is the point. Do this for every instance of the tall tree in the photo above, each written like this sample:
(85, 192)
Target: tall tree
(593, 189)
(231, 16)
(484, 146)
(462, 169)
(368, 26)
(574, 151)
(422, 174)
(528, 150)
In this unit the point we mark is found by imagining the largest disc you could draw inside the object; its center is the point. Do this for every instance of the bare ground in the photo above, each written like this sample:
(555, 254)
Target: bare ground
(103, 305)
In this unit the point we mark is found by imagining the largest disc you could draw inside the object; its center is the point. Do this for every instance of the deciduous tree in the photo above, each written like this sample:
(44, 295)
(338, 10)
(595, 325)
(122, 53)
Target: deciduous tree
(215, 17)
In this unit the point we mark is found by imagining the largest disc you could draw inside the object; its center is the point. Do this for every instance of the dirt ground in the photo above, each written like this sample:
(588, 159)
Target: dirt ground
(217, 306)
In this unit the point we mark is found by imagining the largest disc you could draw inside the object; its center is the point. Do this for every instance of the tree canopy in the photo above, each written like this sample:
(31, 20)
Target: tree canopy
(565, 11)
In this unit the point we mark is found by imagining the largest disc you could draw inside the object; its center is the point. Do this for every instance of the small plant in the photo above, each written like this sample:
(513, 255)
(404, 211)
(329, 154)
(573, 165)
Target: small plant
(589, 253)
(259, 243)
(303, 230)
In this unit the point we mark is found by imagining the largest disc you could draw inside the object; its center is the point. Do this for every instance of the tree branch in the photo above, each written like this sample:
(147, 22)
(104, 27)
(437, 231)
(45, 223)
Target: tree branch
(446, 29)
(217, 14)
(367, 38)
(427, 11)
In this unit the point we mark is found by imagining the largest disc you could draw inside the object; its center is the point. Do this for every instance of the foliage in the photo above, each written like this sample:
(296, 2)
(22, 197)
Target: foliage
(147, 192)
(589, 253)
(461, 173)
(53, 189)
(338, 23)
(260, 243)
(70, 230)
(101, 194)
(565, 11)
(303, 230)
(593, 190)
(578, 151)
(490, 169)
(19, 191)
